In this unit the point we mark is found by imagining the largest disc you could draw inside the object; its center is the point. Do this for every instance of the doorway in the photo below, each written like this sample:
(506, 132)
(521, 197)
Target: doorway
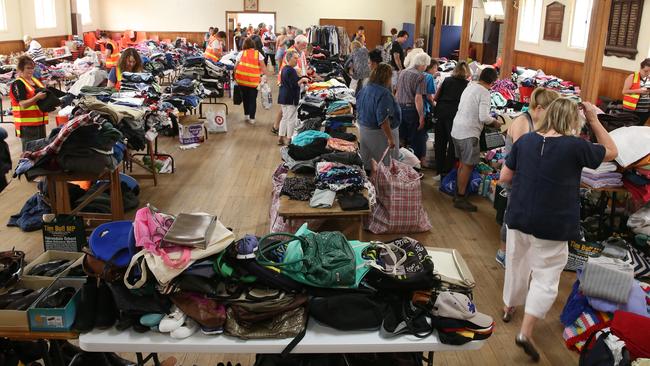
(233, 18)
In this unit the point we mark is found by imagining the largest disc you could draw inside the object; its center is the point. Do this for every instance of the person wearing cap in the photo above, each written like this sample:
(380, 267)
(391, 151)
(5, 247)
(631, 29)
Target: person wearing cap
(34, 49)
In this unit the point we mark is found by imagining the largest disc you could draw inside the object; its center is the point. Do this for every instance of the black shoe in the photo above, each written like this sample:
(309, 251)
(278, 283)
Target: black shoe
(523, 342)
(14, 295)
(85, 319)
(24, 302)
(41, 269)
(11, 267)
(115, 360)
(125, 321)
(106, 313)
(58, 298)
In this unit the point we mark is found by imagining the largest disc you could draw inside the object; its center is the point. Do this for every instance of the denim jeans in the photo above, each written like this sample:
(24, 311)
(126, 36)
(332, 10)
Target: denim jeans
(408, 131)
(249, 100)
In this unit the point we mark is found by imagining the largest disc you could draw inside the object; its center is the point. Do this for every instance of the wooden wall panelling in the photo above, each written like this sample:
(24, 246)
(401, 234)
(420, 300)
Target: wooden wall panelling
(372, 27)
(611, 80)
(194, 37)
(477, 53)
(463, 52)
(8, 47)
(595, 50)
(437, 32)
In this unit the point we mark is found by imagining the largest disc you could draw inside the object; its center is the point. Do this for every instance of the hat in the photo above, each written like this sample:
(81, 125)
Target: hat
(458, 306)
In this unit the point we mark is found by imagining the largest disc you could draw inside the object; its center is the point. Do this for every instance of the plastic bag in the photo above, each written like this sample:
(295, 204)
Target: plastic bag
(216, 121)
(448, 184)
(266, 95)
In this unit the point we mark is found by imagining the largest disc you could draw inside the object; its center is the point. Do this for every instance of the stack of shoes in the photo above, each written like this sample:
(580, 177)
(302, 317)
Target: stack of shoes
(457, 321)
(177, 324)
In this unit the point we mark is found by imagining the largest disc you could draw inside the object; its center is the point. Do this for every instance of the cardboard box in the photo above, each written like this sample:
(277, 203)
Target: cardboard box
(18, 320)
(191, 130)
(55, 319)
(51, 255)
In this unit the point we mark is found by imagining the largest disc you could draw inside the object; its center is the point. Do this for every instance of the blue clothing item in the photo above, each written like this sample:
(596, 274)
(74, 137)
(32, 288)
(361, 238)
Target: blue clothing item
(575, 305)
(289, 93)
(636, 303)
(30, 217)
(112, 75)
(431, 89)
(307, 137)
(545, 196)
(375, 103)
(408, 131)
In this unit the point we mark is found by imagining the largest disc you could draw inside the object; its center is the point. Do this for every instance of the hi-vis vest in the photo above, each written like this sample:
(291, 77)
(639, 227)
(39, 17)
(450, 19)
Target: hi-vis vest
(113, 59)
(630, 100)
(30, 116)
(118, 77)
(210, 53)
(248, 70)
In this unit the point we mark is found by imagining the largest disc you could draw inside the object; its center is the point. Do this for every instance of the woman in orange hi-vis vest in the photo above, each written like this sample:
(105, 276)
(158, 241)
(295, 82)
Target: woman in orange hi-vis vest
(248, 71)
(214, 49)
(29, 121)
(636, 92)
(130, 61)
(112, 52)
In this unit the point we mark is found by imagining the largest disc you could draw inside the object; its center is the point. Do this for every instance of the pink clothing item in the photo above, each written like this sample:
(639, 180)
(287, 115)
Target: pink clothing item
(149, 229)
(341, 145)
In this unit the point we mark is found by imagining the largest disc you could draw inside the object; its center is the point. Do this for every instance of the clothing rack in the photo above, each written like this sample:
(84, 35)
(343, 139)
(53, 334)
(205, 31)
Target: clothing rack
(329, 37)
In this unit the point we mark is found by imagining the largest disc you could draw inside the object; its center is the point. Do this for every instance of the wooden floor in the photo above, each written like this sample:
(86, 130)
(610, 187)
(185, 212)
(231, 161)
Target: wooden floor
(230, 176)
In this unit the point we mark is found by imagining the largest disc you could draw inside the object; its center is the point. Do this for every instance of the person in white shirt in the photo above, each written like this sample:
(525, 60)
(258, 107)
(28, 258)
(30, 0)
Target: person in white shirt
(472, 116)
(34, 49)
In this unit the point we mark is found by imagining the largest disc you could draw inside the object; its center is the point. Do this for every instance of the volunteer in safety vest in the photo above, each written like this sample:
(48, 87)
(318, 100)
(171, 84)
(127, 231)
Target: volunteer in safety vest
(636, 92)
(248, 71)
(130, 61)
(214, 49)
(112, 52)
(29, 121)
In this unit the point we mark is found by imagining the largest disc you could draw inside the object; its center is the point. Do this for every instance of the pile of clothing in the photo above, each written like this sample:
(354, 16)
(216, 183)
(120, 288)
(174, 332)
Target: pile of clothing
(140, 82)
(185, 94)
(537, 78)
(331, 38)
(604, 176)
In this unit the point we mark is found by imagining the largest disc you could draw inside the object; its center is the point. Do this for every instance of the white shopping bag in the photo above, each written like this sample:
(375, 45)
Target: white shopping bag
(267, 96)
(216, 121)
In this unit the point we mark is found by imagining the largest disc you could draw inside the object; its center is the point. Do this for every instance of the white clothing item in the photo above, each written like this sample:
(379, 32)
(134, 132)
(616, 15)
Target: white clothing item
(408, 60)
(238, 58)
(289, 120)
(639, 221)
(473, 112)
(541, 261)
(632, 143)
(607, 167)
(35, 51)
(93, 77)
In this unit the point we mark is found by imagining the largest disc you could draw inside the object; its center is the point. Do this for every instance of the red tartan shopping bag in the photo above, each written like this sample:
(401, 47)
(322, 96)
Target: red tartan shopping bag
(399, 200)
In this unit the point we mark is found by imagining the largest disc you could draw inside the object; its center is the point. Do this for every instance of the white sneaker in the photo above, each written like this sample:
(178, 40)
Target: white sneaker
(251, 121)
(172, 321)
(186, 330)
(246, 118)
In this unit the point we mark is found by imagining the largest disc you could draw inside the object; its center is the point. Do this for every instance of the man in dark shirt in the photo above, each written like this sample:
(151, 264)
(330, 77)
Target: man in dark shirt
(397, 54)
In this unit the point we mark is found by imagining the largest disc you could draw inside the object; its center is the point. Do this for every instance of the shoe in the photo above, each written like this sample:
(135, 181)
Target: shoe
(251, 121)
(211, 331)
(11, 268)
(58, 299)
(501, 258)
(14, 295)
(246, 247)
(41, 269)
(462, 203)
(186, 330)
(172, 321)
(507, 314)
(274, 130)
(246, 118)
(85, 319)
(151, 320)
(523, 342)
(106, 313)
(24, 302)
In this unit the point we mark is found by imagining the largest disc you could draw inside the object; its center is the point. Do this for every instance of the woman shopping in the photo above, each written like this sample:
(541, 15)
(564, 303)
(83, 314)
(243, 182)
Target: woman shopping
(248, 71)
(379, 117)
(289, 97)
(636, 92)
(29, 121)
(525, 123)
(543, 214)
(130, 61)
(446, 105)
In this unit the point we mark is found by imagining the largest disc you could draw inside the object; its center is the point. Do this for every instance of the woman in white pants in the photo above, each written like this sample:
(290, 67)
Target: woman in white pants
(544, 169)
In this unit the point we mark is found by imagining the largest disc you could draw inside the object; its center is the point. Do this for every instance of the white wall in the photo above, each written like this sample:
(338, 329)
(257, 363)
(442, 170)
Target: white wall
(198, 15)
(562, 49)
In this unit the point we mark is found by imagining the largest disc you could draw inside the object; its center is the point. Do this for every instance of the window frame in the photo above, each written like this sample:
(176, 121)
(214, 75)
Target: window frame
(573, 22)
(52, 23)
(537, 9)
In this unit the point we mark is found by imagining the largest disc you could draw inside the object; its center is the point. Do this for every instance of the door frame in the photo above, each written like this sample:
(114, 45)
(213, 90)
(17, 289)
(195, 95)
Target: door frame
(229, 36)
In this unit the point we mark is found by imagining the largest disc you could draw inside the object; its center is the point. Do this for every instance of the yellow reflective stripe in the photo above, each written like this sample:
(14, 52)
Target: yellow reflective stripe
(252, 74)
(30, 120)
(248, 65)
(247, 83)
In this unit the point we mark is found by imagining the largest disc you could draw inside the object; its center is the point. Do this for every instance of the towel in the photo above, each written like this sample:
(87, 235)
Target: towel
(607, 278)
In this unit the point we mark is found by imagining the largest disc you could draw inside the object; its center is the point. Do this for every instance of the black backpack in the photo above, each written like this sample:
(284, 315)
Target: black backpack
(595, 352)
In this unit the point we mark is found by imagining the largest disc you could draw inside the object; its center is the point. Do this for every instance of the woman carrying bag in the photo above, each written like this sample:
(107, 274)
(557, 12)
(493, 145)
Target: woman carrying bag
(248, 71)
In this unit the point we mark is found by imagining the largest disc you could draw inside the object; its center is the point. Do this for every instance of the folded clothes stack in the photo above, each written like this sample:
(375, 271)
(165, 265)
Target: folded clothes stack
(602, 177)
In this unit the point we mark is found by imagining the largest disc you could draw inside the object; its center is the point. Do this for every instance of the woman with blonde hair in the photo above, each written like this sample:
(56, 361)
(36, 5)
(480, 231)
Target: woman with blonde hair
(544, 208)
(379, 117)
(525, 123)
(358, 65)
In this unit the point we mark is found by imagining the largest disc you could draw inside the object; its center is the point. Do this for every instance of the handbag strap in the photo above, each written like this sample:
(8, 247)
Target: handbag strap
(261, 253)
(139, 260)
(389, 249)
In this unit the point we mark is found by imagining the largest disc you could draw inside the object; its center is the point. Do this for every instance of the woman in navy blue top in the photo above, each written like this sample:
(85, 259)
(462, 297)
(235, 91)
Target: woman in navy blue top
(544, 169)
(379, 116)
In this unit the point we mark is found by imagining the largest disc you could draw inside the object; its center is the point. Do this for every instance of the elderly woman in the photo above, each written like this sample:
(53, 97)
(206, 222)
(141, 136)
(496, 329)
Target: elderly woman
(358, 65)
(34, 49)
(544, 169)
(379, 117)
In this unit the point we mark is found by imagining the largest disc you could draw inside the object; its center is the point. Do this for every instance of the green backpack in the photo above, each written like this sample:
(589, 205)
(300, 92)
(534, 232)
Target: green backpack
(324, 259)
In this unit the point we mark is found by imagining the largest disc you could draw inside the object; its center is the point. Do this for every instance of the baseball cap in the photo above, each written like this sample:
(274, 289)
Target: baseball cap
(458, 306)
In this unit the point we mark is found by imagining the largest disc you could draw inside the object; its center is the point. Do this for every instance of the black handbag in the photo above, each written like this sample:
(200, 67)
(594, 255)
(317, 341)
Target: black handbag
(491, 138)
(236, 96)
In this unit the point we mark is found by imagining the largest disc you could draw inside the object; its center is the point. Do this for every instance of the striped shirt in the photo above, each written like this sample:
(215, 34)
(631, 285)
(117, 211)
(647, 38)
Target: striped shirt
(643, 105)
(410, 83)
(35, 51)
